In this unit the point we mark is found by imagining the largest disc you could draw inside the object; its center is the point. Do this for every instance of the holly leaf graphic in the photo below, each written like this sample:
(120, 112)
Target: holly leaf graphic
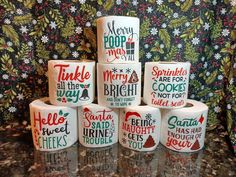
(60, 113)
(88, 85)
(58, 99)
(69, 99)
(66, 114)
(82, 85)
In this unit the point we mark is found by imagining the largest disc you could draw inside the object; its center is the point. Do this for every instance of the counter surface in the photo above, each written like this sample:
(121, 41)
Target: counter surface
(19, 158)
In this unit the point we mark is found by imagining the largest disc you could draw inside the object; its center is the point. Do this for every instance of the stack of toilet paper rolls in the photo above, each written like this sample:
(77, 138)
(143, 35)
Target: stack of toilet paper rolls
(54, 120)
(119, 82)
(68, 114)
(183, 121)
(166, 115)
(119, 74)
(119, 69)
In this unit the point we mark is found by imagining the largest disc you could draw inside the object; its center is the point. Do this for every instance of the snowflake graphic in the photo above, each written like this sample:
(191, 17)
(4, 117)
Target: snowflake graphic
(128, 70)
(148, 116)
(121, 70)
(114, 70)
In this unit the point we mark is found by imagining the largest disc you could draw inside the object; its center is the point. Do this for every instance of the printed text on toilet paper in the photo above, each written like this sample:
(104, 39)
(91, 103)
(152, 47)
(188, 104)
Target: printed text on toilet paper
(51, 132)
(169, 87)
(184, 133)
(98, 127)
(70, 85)
(120, 86)
(119, 42)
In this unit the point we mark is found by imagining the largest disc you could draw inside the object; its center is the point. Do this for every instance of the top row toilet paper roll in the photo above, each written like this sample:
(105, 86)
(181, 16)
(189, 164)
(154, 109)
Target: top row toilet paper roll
(118, 39)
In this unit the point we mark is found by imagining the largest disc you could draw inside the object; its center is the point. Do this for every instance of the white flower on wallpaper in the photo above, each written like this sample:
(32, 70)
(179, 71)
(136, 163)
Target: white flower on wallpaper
(24, 29)
(57, 1)
(225, 32)
(176, 32)
(73, 9)
(195, 40)
(53, 25)
(82, 1)
(44, 39)
(135, 2)
(206, 26)
(149, 9)
(78, 30)
(233, 2)
(20, 96)
(159, 2)
(153, 31)
(12, 109)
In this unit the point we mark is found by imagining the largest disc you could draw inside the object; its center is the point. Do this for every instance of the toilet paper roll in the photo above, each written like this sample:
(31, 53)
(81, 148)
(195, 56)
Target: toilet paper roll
(140, 128)
(98, 125)
(118, 39)
(71, 83)
(166, 84)
(119, 85)
(183, 129)
(53, 127)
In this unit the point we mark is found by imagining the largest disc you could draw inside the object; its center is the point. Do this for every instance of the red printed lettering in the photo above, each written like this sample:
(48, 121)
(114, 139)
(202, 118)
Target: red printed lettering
(78, 75)
(52, 119)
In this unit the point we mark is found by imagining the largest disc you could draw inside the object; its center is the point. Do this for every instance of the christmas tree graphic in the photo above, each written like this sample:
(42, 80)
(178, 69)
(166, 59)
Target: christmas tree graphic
(133, 78)
(149, 142)
(196, 145)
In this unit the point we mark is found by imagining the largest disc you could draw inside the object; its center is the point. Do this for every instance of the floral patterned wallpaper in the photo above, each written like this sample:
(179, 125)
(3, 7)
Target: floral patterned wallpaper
(200, 31)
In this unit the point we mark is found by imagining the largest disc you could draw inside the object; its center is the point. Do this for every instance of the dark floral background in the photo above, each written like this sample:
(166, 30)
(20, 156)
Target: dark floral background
(200, 31)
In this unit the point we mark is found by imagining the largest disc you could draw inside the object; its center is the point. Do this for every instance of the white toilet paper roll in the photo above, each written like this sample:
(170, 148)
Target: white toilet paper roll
(183, 129)
(140, 128)
(53, 127)
(119, 85)
(98, 125)
(166, 84)
(118, 39)
(71, 83)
